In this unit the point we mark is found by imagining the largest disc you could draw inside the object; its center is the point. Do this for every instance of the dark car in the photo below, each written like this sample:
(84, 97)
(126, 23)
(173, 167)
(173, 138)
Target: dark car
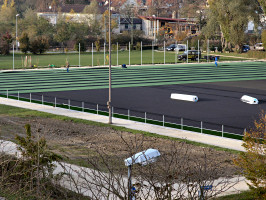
(245, 48)
(171, 47)
(192, 54)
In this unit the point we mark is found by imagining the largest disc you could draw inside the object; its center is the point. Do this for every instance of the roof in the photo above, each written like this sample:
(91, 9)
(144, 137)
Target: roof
(163, 19)
(78, 8)
(128, 21)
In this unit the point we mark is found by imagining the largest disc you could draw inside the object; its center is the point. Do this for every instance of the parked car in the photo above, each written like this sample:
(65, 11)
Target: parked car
(180, 47)
(171, 47)
(192, 54)
(259, 47)
(245, 48)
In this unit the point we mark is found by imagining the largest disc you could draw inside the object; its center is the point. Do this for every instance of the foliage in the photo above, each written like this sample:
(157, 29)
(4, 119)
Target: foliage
(62, 32)
(98, 45)
(253, 160)
(263, 5)
(82, 45)
(234, 23)
(6, 40)
(39, 45)
(24, 43)
(138, 46)
(263, 38)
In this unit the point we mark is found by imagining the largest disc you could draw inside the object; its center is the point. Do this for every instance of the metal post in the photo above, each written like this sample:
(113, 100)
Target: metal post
(187, 51)
(103, 54)
(30, 97)
(182, 123)
(129, 183)
(201, 127)
(17, 32)
(110, 72)
(128, 114)
(176, 52)
(18, 95)
(141, 53)
(222, 130)
(97, 109)
(198, 52)
(117, 54)
(7, 94)
(55, 102)
(79, 54)
(112, 111)
(13, 57)
(92, 55)
(42, 99)
(152, 52)
(164, 50)
(82, 106)
(163, 120)
(245, 130)
(145, 117)
(208, 50)
(129, 55)
(69, 104)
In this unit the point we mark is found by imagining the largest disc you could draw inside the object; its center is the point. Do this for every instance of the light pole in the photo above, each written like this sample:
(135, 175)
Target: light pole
(17, 32)
(109, 105)
(154, 27)
(142, 158)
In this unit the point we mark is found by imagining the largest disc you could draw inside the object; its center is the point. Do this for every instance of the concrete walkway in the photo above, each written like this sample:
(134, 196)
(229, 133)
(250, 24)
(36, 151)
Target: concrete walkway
(176, 133)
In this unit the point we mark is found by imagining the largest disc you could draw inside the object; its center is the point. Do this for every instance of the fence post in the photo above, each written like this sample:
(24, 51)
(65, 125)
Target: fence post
(7, 94)
(198, 52)
(117, 54)
(163, 120)
(222, 130)
(82, 106)
(42, 99)
(92, 54)
(182, 123)
(18, 95)
(104, 54)
(128, 114)
(69, 104)
(129, 54)
(141, 53)
(79, 54)
(187, 51)
(245, 130)
(201, 124)
(97, 109)
(145, 117)
(175, 52)
(164, 50)
(30, 97)
(55, 102)
(112, 111)
(152, 53)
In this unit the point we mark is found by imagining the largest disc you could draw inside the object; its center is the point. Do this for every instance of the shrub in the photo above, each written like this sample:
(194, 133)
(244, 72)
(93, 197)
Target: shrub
(39, 45)
(98, 45)
(263, 39)
(138, 46)
(6, 40)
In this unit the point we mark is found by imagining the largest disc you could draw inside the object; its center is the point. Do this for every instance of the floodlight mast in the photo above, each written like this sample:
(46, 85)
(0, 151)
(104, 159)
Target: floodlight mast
(142, 158)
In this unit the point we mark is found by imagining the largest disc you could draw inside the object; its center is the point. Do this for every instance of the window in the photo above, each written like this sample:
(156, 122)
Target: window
(126, 26)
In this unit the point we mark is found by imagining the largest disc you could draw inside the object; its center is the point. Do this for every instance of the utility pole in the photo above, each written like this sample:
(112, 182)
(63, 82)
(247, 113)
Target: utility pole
(109, 105)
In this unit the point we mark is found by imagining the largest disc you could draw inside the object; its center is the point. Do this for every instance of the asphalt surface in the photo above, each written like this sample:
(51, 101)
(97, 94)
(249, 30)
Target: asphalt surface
(219, 103)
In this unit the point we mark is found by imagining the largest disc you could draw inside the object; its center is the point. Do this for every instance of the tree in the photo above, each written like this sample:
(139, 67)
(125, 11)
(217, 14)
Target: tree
(62, 32)
(263, 38)
(24, 43)
(6, 40)
(39, 45)
(263, 5)
(231, 17)
(253, 161)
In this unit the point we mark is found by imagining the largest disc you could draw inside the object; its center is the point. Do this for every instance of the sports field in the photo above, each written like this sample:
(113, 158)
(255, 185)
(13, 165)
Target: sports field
(148, 89)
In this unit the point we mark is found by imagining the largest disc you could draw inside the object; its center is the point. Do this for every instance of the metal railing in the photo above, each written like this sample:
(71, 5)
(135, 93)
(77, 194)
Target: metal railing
(135, 115)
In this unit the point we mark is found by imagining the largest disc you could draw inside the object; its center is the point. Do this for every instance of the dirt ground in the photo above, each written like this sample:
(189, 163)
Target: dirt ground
(77, 142)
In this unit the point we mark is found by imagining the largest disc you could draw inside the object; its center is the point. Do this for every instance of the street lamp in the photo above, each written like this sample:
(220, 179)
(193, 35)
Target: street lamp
(142, 158)
(109, 105)
(17, 32)
(154, 28)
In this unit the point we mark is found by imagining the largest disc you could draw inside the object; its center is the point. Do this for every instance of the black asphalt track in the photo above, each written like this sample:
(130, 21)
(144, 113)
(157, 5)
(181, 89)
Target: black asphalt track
(219, 102)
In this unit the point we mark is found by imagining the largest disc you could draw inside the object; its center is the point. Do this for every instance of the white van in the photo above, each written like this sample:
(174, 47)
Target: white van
(259, 47)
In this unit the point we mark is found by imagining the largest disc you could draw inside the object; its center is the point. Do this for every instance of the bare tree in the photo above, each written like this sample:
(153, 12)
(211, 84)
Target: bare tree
(175, 175)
